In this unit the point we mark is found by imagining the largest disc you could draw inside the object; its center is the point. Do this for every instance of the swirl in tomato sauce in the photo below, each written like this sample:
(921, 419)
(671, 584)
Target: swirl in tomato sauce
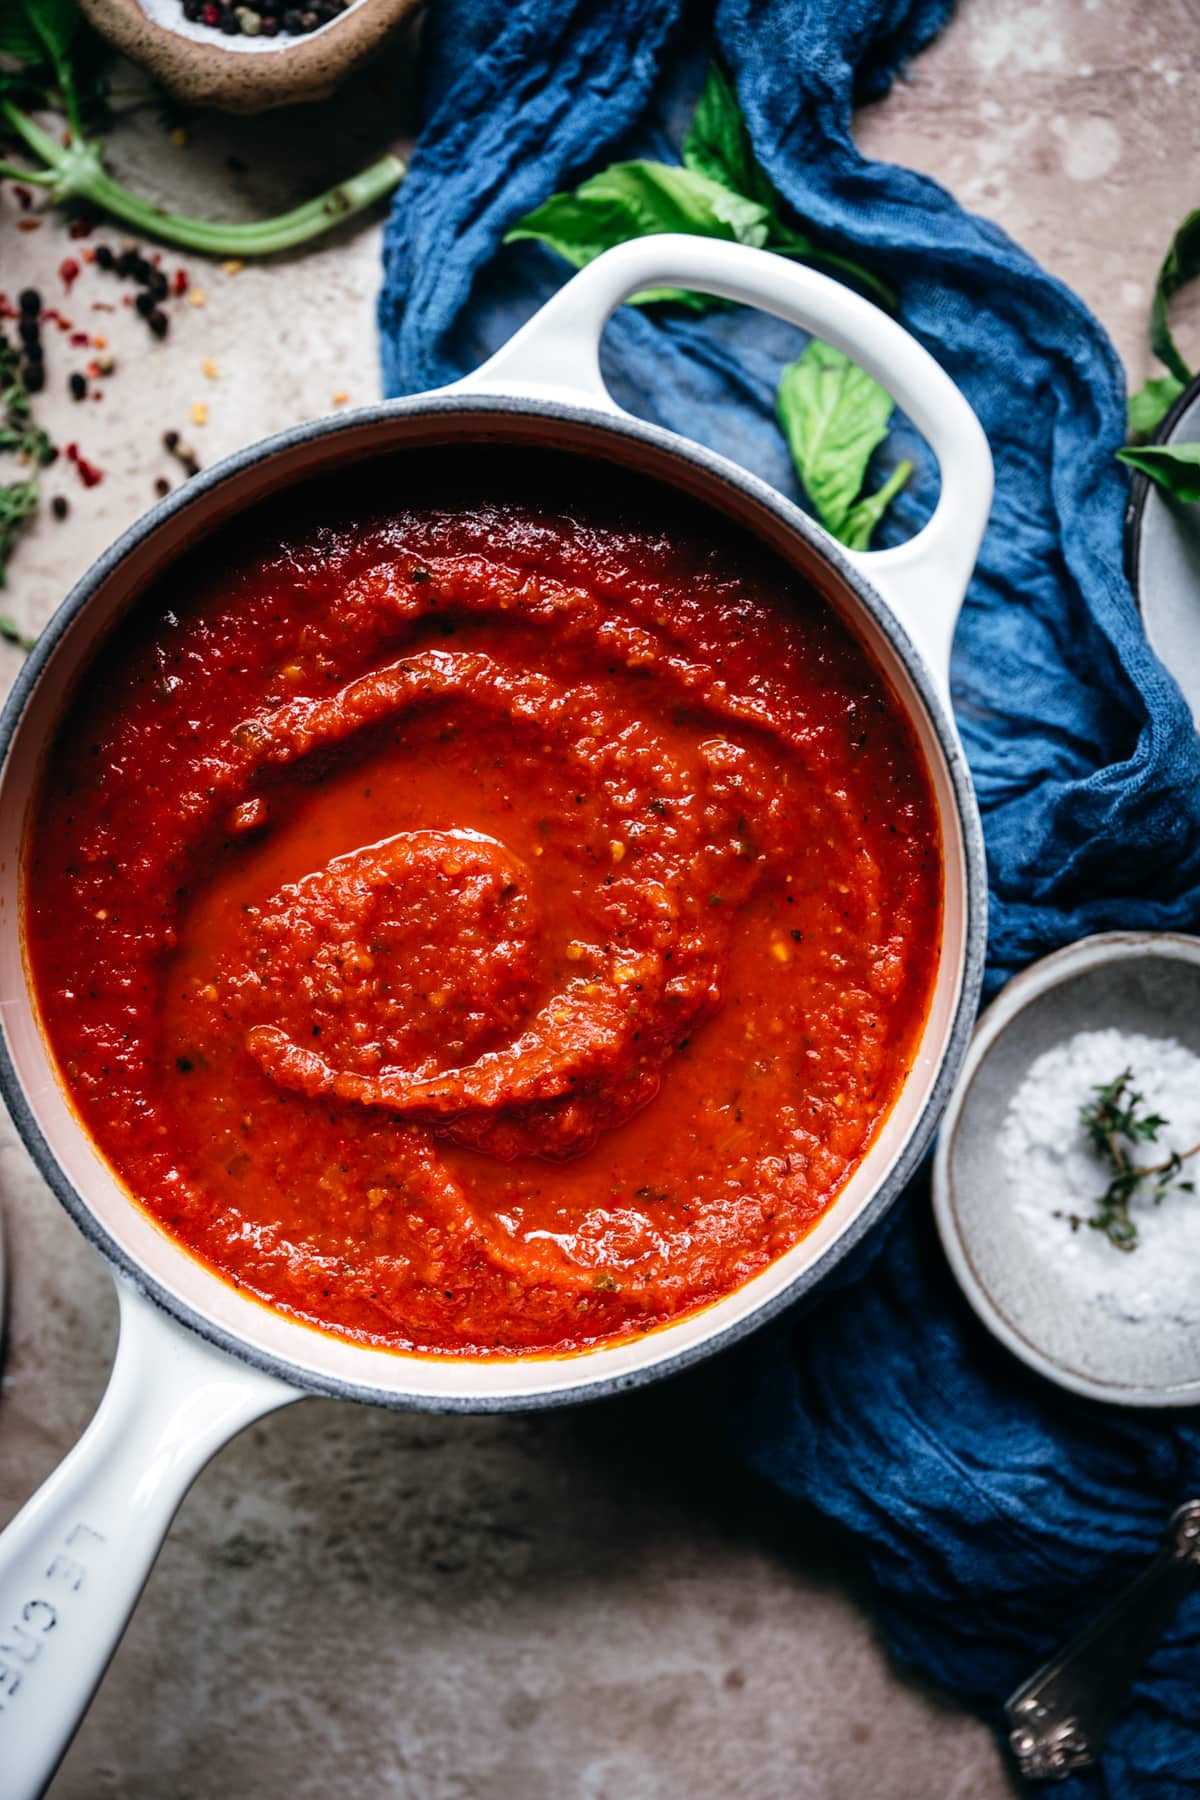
(485, 928)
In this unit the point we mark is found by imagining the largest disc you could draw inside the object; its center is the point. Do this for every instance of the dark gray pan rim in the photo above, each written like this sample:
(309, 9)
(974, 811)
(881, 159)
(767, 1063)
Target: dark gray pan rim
(609, 433)
(1141, 484)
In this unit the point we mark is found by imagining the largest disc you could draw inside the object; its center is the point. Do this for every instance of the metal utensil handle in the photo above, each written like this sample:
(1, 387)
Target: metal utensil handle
(1061, 1716)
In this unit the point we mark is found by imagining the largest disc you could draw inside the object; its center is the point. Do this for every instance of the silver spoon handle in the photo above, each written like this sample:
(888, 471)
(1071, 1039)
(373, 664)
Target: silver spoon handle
(1060, 1717)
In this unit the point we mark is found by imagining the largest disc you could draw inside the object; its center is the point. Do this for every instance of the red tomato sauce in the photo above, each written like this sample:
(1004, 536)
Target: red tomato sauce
(480, 926)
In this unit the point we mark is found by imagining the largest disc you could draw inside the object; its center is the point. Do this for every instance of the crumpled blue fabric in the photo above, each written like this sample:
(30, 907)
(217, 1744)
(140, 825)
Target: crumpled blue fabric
(993, 1510)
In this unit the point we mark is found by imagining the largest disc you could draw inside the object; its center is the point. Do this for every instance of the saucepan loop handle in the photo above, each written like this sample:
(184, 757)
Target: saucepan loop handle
(74, 1561)
(556, 356)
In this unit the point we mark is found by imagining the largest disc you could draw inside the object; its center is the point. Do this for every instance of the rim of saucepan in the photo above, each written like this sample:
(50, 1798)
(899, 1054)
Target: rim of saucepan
(672, 448)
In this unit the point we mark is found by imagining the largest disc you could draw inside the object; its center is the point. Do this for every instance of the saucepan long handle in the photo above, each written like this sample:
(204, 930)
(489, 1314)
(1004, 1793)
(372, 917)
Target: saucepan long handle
(556, 355)
(75, 1559)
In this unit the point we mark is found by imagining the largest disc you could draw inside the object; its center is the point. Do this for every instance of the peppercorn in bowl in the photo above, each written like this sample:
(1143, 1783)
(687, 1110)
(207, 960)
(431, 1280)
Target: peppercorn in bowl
(247, 55)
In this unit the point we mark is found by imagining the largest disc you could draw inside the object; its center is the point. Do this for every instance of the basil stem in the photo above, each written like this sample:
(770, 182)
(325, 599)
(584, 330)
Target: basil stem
(76, 171)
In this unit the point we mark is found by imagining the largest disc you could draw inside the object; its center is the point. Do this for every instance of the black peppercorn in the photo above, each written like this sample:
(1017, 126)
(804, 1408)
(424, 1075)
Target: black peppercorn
(104, 257)
(145, 303)
(291, 21)
(159, 324)
(78, 386)
(157, 284)
(59, 507)
(30, 303)
(34, 377)
(162, 486)
(29, 329)
(171, 441)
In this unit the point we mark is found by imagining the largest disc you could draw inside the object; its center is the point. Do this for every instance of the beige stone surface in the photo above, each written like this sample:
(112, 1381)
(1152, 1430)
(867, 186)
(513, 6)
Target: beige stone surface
(595, 1605)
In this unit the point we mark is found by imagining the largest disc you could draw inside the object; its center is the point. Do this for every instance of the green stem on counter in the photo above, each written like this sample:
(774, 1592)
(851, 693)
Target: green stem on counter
(75, 171)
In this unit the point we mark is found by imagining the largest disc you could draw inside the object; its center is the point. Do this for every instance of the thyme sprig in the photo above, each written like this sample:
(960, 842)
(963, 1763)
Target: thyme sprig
(22, 438)
(1115, 1124)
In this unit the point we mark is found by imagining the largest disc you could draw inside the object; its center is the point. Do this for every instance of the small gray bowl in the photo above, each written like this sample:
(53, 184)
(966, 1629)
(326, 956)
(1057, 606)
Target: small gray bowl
(1145, 983)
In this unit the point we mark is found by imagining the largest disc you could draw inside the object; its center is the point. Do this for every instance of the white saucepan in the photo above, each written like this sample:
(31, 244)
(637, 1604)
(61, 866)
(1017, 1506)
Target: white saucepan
(198, 1360)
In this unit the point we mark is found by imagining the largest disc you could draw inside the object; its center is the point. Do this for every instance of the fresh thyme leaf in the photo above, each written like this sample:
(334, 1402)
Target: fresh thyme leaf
(11, 632)
(23, 438)
(1114, 1123)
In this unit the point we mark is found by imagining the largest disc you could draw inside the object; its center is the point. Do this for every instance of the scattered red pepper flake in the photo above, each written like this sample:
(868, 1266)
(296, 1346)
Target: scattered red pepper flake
(81, 228)
(80, 339)
(68, 272)
(88, 473)
(180, 282)
(29, 224)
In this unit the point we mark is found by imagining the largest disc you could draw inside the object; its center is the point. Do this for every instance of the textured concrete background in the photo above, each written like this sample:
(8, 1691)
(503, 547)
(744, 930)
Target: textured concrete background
(586, 1606)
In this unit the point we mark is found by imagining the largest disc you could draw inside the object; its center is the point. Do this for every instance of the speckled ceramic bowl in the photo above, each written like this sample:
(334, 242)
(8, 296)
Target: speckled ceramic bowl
(243, 74)
(1075, 1325)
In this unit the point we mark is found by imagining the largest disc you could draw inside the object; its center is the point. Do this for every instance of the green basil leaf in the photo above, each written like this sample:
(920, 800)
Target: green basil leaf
(719, 192)
(1175, 467)
(642, 199)
(833, 415)
(1180, 265)
(862, 519)
(1150, 405)
(718, 145)
(39, 30)
(17, 36)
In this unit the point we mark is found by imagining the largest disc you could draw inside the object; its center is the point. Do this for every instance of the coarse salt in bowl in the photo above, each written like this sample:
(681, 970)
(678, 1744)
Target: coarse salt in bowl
(1016, 1179)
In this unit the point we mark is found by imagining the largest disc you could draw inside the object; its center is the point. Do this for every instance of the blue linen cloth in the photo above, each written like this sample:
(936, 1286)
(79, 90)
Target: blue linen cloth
(991, 1509)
